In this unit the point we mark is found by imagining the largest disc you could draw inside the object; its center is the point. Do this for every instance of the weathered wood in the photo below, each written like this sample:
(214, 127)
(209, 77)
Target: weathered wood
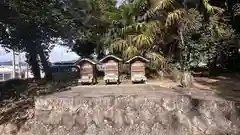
(87, 71)
(137, 65)
(111, 69)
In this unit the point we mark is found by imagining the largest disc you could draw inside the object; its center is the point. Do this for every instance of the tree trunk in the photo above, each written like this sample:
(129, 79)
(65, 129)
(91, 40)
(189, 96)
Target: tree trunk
(186, 77)
(182, 60)
(45, 64)
(186, 80)
(33, 61)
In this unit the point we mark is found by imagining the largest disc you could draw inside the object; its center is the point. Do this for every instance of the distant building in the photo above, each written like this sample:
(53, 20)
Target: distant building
(5, 74)
(60, 70)
(63, 71)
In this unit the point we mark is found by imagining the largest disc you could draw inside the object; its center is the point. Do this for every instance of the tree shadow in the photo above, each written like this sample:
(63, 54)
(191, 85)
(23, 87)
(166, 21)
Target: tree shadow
(17, 89)
(226, 86)
(17, 97)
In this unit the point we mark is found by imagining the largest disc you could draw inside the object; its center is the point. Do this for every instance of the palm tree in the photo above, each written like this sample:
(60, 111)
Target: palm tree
(143, 27)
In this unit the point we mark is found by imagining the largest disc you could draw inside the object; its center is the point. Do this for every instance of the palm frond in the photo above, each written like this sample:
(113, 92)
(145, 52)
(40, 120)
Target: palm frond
(130, 51)
(159, 9)
(158, 61)
(163, 4)
(236, 9)
(175, 17)
(130, 38)
(214, 26)
(151, 13)
(210, 8)
(119, 45)
(116, 16)
(136, 27)
(139, 3)
(143, 41)
(153, 27)
(140, 27)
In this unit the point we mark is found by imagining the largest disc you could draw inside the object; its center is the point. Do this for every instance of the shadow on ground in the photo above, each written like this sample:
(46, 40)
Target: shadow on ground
(227, 86)
(17, 97)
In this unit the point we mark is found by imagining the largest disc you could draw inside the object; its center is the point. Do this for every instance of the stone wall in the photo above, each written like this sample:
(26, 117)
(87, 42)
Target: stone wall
(132, 114)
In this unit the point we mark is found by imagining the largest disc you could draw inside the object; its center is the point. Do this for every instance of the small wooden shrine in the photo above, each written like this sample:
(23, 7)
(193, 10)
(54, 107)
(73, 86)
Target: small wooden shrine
(111, 69)
(137, 69)
(88, 70)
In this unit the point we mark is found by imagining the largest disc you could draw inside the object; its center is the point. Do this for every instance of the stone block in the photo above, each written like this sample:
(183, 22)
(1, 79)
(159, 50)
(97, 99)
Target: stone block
(169, 103)
(107, 130)
(131, 116)
(106, 101)
(120, 102)
(139, 101)
(43, 104)
(76, 131)
(80, 120)
(40, 129)
(98, 114)
(142, 129)
(110, 112)
(68, 120)
(147, 116)
(55, 118)
(60, 131)
(11, 129)
(91, 130)
(42, 116)
(119, 118)
(184, 104)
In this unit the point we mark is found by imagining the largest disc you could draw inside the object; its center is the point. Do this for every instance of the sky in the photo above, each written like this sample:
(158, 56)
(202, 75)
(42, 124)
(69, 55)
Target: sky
(119, 2)
(59, 53)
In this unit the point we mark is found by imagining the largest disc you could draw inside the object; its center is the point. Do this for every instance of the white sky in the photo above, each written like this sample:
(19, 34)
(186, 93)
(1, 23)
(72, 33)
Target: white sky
(119, 2)
(59, 53)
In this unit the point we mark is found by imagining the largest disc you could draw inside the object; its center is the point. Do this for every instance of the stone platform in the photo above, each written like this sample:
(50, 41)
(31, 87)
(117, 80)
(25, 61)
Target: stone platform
(133, 110)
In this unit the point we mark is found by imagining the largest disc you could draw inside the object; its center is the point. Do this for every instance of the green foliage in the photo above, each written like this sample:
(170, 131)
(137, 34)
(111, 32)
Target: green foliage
(93, 23)
(143, 33)
(31, 27)
(205, 42)
(129, 36)
(167, 24)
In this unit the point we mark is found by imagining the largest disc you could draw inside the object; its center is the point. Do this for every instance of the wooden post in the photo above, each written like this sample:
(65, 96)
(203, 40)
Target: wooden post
(13, 64)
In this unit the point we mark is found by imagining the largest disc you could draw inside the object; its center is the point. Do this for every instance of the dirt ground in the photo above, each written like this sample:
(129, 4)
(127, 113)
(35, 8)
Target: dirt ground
(227, 86)
(224, 82)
